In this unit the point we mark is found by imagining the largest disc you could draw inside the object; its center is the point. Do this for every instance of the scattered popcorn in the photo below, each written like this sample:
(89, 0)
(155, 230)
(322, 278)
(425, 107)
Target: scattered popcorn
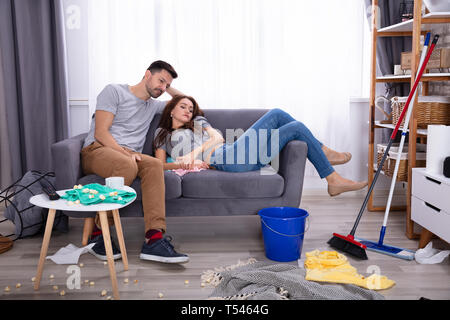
(86, 190)
(108, 298)
(52, 276)
(80, 186)
(75, 187)
(86, 281)
(55, 288)
(135, 281)
(126, 280)
(116, 193)
(62, 293)
(104, 292)
(102, 197)
(111, 194)
(7, 289)
(105, 262)
(120, 198)
(77, 201)
(70, 203)
(202, 285)
(81, 265)
(160, 295)
(186, 282)
(91, 196)
(18, 285)
(91, 283)
(33, 279)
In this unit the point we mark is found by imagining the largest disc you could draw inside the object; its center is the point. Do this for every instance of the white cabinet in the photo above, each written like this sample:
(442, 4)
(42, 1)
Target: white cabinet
(430, 202)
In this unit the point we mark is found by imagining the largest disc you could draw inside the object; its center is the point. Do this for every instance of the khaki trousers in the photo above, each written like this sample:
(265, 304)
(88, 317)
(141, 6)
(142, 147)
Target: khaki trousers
(107, 162)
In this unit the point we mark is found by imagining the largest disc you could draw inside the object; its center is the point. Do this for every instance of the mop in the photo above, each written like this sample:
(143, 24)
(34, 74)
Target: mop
(379, 246)
(348, 243)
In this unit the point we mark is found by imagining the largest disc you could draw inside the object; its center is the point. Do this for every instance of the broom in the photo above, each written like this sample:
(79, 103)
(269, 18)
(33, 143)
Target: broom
(379, 246)
(348, 243)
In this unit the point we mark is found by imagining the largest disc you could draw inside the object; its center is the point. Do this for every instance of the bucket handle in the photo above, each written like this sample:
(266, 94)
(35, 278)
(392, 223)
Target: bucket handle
(288, 235)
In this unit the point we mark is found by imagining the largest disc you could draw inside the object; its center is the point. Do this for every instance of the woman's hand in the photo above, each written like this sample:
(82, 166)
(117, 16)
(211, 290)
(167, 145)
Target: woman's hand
(187, 163)
(201, 164)
(186, 159)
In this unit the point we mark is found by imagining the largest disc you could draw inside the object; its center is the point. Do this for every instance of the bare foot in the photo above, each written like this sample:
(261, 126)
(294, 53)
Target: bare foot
(338, 184)
(335, 157)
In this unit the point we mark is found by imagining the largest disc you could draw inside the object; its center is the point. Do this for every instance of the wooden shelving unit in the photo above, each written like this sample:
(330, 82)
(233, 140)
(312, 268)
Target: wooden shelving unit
(416, 27)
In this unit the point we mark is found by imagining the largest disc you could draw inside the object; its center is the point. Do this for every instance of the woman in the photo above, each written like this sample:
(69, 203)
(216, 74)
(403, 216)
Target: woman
(186, 136)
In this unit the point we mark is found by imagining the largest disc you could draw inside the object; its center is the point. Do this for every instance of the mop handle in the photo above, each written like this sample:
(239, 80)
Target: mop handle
(400, 149)
(416, 83)
(391, 140)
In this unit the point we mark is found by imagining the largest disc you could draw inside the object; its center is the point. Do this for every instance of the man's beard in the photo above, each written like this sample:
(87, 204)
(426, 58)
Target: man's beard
(153, 93)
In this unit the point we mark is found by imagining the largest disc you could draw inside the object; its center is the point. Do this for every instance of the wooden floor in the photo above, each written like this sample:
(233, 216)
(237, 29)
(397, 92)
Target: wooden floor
(216, 242)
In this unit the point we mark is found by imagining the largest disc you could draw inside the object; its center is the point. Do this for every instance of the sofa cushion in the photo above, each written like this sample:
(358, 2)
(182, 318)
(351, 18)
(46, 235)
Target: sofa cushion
(215, 184)
(171, 180)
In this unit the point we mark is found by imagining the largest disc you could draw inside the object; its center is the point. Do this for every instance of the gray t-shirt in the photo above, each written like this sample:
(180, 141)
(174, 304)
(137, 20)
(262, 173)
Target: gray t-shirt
(132, 116)
(183, 141)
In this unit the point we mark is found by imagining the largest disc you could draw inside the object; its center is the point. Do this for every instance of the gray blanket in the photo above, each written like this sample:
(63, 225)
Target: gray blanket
(268, 281)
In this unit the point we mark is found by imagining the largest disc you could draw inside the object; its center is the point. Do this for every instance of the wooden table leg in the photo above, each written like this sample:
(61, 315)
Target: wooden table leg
(109, 253)
(119, 232)
(425, 238)
(44, 248)
(87, 230)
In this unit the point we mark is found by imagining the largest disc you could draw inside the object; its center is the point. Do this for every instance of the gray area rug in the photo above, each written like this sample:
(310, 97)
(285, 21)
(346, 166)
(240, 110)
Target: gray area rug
(253, 280)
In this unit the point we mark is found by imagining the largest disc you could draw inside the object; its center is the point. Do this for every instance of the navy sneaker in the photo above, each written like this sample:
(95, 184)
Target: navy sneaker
(162, 251)
(99, 251)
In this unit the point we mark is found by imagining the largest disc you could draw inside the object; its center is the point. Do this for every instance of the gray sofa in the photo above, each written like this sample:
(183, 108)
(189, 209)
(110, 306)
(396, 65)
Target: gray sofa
(209, 192)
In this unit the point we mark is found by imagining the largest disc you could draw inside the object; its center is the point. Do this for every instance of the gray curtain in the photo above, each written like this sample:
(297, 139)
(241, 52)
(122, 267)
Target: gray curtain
(389, 50)
(5, 160)
(34, 75)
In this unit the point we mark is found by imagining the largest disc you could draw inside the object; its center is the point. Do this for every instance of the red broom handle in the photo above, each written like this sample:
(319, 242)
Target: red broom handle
(416, 83)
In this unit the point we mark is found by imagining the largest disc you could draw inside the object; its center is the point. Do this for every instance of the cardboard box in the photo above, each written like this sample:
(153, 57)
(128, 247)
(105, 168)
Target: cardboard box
(440, 58)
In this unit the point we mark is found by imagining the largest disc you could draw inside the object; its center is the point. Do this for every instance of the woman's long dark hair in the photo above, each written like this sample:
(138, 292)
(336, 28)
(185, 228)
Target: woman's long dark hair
(166, 120)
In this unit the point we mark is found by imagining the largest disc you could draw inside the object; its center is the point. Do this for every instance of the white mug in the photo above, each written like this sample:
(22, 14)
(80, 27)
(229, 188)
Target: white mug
(115, 182)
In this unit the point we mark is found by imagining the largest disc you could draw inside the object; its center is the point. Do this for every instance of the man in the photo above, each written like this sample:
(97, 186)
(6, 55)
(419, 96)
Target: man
(113, 148)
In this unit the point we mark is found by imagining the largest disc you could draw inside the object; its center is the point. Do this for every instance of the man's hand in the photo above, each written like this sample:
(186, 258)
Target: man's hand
(174, 92)
(136, 157)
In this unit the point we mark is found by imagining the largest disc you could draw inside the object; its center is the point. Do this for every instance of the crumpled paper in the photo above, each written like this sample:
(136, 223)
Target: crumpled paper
(428, 255)
(70, 254)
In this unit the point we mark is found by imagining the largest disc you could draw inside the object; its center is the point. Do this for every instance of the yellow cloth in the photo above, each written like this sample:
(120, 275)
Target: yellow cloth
(331, 266)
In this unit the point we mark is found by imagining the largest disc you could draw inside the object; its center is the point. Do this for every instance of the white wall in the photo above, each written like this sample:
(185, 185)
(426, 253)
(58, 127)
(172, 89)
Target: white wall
(76, 21)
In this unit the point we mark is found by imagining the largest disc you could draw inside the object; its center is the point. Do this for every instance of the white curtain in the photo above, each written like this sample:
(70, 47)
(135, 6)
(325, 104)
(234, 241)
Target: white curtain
(305, 57)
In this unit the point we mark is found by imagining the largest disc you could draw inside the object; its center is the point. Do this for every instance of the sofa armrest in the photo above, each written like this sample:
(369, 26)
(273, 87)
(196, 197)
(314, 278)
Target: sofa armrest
(66, 159)
(292, 169)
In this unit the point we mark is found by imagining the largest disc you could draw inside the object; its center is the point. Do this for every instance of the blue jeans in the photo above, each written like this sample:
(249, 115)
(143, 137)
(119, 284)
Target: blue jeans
(260, 144)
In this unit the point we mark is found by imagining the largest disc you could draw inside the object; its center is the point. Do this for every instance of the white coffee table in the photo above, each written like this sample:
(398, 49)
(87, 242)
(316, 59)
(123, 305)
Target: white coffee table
(43, 201)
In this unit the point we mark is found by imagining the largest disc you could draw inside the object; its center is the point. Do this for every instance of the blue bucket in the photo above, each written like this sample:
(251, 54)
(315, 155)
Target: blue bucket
(283, 230)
